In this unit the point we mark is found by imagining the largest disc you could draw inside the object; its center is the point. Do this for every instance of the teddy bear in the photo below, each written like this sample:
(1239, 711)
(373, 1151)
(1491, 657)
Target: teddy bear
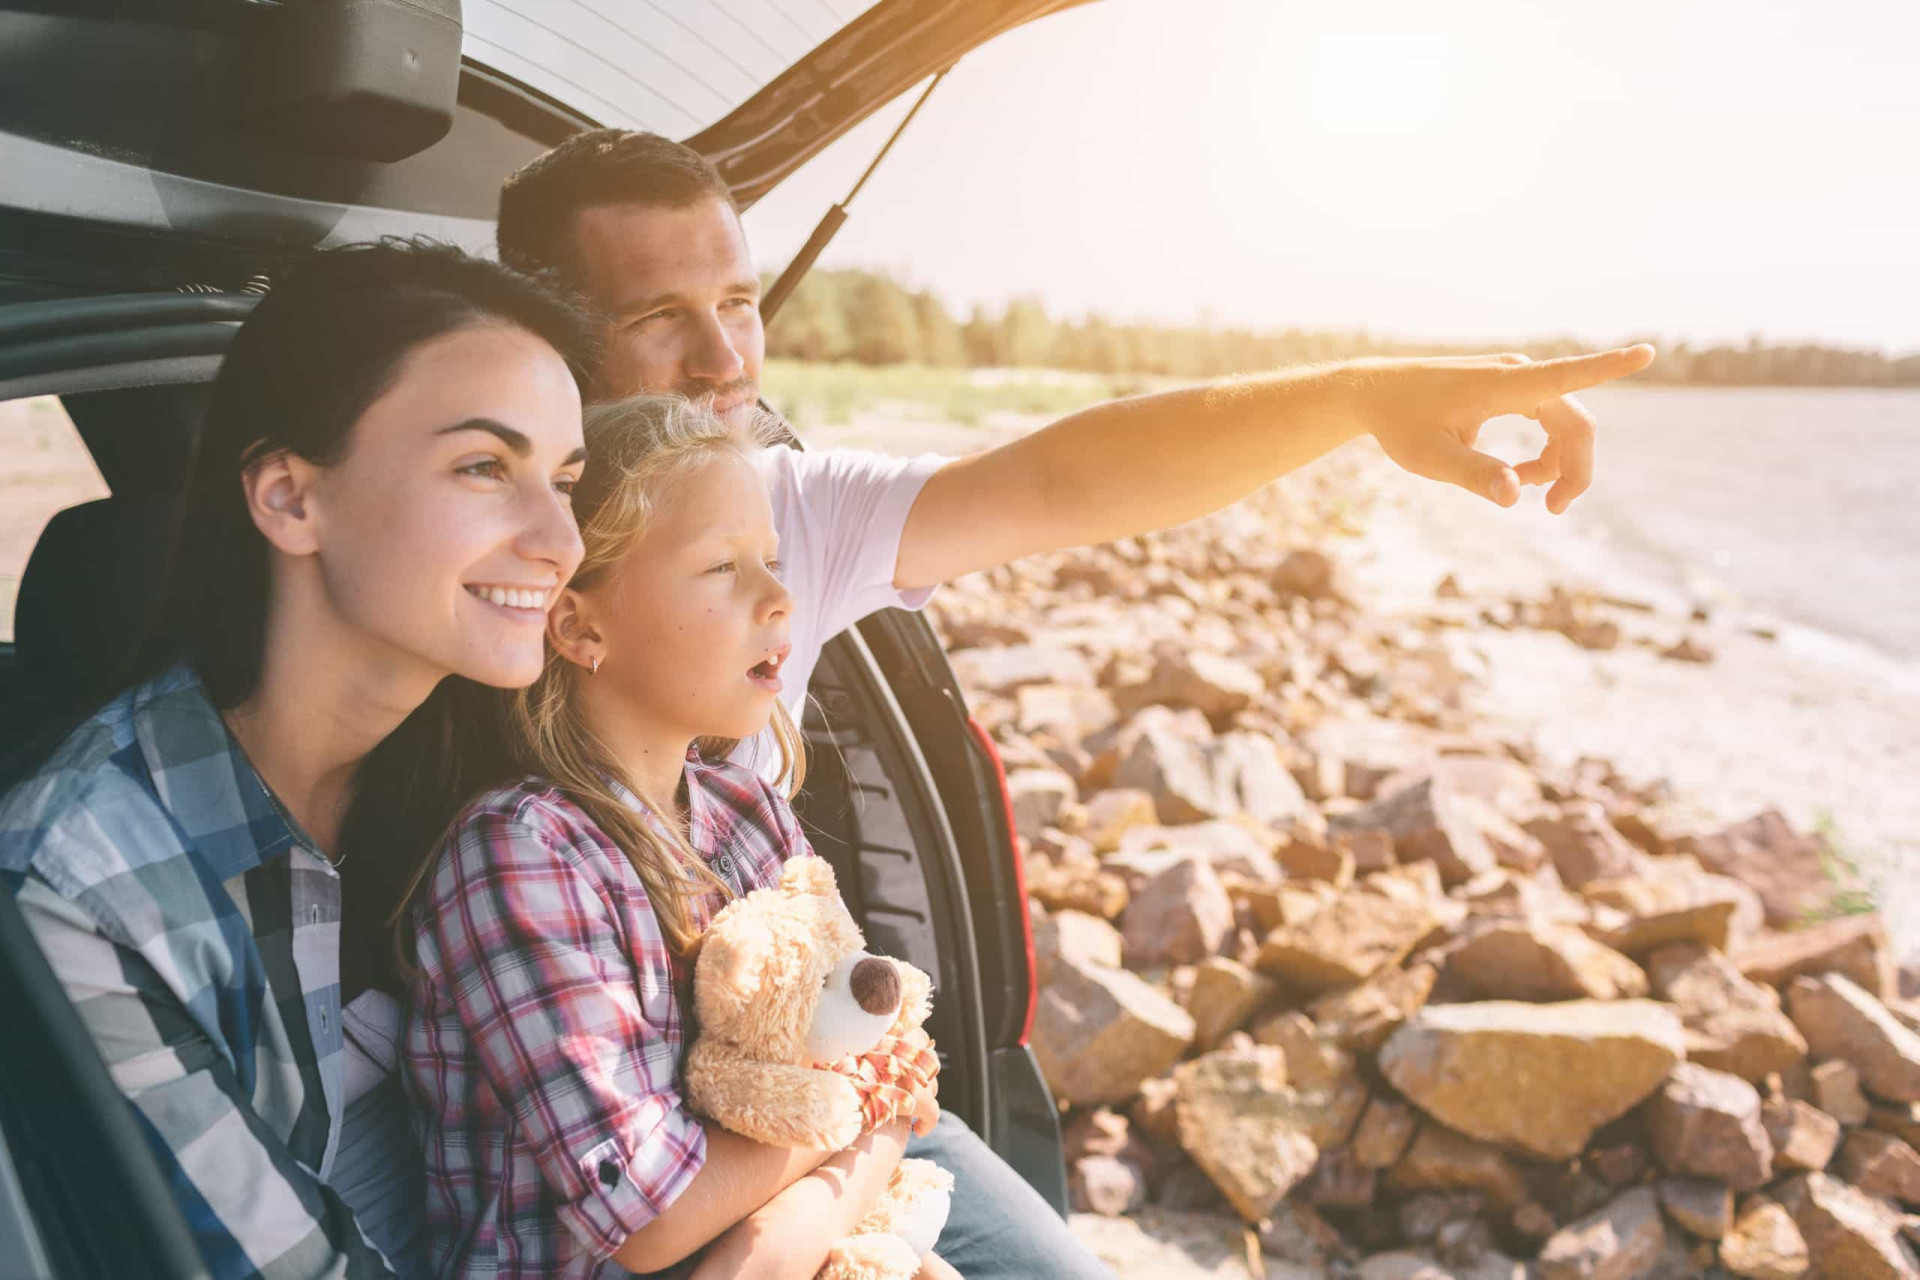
(807, 1040)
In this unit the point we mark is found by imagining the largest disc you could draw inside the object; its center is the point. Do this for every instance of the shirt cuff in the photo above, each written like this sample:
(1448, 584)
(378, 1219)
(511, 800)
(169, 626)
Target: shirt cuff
(631, 1178)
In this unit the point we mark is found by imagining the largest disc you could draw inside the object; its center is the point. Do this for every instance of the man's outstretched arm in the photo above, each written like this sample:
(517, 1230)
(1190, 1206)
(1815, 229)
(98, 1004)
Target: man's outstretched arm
(1128, 466)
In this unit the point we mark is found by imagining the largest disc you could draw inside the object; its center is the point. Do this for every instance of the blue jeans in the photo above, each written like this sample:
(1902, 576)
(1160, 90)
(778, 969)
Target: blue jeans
(999, 1227)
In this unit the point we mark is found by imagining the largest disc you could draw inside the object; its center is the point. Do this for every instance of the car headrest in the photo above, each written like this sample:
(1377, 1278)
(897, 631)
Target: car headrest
(88, 594)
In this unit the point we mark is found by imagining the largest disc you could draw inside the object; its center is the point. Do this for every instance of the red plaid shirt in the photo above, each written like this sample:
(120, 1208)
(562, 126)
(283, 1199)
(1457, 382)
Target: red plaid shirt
(543, 1037)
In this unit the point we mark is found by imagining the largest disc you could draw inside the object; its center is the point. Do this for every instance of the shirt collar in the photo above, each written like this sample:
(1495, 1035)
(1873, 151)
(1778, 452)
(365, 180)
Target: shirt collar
(706, 825)
(204, 779)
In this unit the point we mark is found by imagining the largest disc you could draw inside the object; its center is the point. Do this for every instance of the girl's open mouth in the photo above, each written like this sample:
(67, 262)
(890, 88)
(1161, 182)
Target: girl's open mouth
(766, 673)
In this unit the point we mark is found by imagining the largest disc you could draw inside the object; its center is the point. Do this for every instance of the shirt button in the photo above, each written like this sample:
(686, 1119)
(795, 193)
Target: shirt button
(724, 865)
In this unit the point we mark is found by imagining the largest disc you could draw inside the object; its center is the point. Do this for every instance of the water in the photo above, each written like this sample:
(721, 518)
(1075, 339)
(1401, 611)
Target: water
(1802, 503)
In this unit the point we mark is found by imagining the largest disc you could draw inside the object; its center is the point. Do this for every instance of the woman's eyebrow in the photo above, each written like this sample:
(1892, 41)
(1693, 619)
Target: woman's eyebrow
(514, 440)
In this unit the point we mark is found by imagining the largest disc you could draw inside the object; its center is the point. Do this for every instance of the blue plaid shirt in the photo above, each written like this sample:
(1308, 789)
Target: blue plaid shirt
(197, 931)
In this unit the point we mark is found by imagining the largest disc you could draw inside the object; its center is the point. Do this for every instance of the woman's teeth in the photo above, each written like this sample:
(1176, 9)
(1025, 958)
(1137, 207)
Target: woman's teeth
(511, 597)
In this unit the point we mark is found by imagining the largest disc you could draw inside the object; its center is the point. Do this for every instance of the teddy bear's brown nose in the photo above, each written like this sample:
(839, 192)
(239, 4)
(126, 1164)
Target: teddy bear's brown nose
(876, 985)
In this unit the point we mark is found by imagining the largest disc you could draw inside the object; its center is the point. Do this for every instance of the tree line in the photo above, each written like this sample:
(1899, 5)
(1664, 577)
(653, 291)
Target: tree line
(868, 317)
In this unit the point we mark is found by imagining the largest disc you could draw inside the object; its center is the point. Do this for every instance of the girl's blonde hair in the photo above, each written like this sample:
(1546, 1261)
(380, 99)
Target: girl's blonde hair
(637, 449)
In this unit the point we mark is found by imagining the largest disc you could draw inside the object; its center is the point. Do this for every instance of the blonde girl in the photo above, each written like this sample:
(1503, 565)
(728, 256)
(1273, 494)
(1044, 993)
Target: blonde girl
(549, 933)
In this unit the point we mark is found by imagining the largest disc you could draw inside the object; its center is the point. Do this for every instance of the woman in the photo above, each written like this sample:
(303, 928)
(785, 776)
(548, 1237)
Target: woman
(380, 500)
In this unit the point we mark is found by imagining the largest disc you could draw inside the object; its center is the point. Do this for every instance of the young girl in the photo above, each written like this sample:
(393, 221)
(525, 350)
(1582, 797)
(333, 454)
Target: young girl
(549, 933)
(378, 502)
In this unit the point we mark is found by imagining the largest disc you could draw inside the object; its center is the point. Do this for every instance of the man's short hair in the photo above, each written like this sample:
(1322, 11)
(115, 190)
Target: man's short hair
(602, 166)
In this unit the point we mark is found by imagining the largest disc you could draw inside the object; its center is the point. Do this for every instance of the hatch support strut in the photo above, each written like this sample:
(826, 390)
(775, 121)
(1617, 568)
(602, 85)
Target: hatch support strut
(836, 216)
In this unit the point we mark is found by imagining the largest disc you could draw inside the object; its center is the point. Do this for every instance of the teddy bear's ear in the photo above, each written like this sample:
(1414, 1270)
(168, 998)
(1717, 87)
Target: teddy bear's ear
(809, 874)
(728, 972)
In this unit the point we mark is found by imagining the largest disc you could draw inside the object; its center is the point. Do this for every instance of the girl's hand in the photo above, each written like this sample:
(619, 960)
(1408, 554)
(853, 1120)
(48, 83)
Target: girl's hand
(926, 1106)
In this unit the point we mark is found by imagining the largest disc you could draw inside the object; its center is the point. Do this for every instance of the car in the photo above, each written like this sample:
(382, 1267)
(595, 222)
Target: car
(157, 173)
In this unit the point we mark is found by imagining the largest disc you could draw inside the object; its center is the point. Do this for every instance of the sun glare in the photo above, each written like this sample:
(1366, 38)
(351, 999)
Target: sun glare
(1381, 83)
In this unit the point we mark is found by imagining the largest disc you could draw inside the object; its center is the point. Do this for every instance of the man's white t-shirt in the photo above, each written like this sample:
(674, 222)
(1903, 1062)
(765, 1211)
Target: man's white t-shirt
(839, 514)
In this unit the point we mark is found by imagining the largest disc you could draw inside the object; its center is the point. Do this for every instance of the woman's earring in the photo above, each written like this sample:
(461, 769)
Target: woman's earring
(593, 665)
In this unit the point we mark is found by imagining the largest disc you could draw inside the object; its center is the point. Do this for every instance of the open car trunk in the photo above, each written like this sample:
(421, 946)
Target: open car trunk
(141, 211)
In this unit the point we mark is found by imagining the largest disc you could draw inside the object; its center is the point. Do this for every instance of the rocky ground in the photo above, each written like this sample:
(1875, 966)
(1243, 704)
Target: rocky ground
(1347, 972)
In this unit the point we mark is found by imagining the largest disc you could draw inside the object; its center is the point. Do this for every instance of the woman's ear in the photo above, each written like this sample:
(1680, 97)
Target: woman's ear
(278, 486)
(572, 632)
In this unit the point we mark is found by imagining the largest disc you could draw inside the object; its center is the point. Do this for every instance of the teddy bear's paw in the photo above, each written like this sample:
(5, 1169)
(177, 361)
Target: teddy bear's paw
(871, 1257)
(920, 1221)
(913, 1176)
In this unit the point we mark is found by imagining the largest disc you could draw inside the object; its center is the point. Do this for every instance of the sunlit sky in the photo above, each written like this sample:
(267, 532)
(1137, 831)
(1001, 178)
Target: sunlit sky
(1699, 169)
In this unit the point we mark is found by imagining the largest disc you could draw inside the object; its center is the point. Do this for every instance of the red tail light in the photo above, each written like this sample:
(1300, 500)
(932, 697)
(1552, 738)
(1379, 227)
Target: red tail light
(985, 740)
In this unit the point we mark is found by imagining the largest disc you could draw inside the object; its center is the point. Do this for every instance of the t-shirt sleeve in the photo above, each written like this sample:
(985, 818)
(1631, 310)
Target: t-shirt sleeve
(853, 505)
(544, 985)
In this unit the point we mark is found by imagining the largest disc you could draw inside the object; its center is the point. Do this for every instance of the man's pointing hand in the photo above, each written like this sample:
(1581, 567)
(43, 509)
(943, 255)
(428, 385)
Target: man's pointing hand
(1426, 414)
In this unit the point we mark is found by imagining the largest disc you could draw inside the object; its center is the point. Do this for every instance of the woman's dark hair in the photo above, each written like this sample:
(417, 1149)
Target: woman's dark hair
(326, 343)
(309, 360)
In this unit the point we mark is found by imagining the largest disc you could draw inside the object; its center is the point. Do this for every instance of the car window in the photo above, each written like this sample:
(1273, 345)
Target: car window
(44, 468)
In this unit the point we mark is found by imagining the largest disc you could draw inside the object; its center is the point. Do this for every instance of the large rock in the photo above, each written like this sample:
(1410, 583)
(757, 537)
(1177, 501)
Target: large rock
(1311, 573)
(1622, 1240)
(1176, 772)
(1099, 1032)
(1675, 899)
(1068, 712)
(1225, 994)
(1706, 1124)
(1076, 937)
(1803, 1136)
(1442, 1160)
(1237, 1124)
(1216, 687)
(1856, 946)
(1836, 1089)
(1765, 1244)
(1180, 916)
(1307, 859)
(1700, 1205)
(1901, 1119)
(1361, 1018)
(1733, 1024)
(1340, 1181)
(1229, 844)
(1881, 1165)
(1093, 890)
(1520, 961)
(1840, 1020)
(1005, 670)
(1427, 822)
(1850, 1235)
(1251, 778)
(1313, 1061)
(1708, 924)
(1349, 941)
(1583, 845)
(1540, 1078)
(1369, 751)
(1038, 796)
(1385, 1129)
(1112, 814)
(1106, 1185)
(1788, 869)
(1499, 782)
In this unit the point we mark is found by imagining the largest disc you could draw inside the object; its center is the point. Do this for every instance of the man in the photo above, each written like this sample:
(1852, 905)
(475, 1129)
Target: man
(648, 231)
